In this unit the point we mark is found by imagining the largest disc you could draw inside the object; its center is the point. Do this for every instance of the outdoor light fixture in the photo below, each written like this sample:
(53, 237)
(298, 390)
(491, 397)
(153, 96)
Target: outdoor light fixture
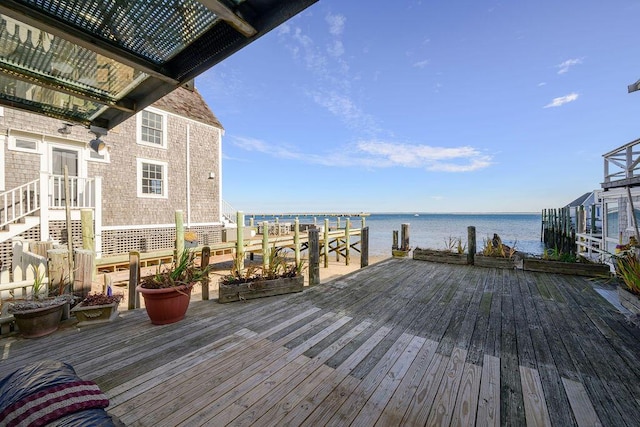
(97, 144)
(212, 175)
(634, 87)
(65, 129)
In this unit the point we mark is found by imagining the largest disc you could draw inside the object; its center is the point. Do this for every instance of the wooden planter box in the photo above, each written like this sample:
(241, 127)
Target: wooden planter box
(493, 262)
(439, 256)
(399, 253)
(259, 289)
(575, 268)
(95, 314)
(628, 300)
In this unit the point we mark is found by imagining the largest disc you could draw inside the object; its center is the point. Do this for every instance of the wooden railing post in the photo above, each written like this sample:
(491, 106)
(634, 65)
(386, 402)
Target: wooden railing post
(364, 247)
(134, 280)
(325, 244)
(347, 241)
(84, 267)
(314, 257)
(394, 244)
(204, 263)
(240, 240)
(265, 246)
(296, 240)
(405, 237)
(471, 241)
(179, 233)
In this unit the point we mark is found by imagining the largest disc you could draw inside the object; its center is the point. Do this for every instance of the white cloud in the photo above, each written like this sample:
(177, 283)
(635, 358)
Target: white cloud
(421, 64)
(439, 159)
(557, 102)
(542, 84)
(336, 49)
(336, 24)
(377, 154)
(564, 66)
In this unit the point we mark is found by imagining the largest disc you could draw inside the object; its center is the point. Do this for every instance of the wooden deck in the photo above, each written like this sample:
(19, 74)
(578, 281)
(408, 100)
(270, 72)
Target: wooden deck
(401, 342)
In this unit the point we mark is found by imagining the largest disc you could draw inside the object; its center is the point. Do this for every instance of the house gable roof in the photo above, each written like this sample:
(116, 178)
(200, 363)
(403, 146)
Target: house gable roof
(188, 103)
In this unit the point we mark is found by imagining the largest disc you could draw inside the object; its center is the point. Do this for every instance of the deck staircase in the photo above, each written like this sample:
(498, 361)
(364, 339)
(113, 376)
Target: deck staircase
(228, 215)
(18, 209)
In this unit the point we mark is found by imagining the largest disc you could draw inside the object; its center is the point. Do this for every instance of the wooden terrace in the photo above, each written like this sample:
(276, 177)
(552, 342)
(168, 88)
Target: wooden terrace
(401, 342)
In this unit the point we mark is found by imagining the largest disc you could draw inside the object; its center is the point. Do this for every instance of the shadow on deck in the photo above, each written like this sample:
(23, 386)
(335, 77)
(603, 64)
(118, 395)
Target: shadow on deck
(401, 342)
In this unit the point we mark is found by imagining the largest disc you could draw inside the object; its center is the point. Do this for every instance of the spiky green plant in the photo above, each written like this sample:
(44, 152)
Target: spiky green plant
(628, 269)
(183, 271)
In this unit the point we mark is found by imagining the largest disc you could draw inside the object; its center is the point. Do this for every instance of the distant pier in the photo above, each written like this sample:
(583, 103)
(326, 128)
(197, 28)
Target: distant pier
(309, 214)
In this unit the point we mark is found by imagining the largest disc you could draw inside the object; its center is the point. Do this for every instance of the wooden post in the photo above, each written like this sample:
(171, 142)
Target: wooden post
(347, 241)
(134, 280)
(277, 226)
(471, 239)
(364, 222)
(58, 268)
(240, 240)
(84, 267)
(179, 215)
(40, 248)
(364, 247)
(88, 236)
(325, 244)
(204, 263)
(394, 245)
(405, 237)
(314, 257)
(67, 204)
(593, 219)
(338, 222)
(296, 240)
(251, 222)
(265, 246)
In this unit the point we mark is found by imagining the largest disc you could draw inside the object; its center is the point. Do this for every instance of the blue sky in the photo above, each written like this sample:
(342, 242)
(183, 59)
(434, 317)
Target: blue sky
(427, 106)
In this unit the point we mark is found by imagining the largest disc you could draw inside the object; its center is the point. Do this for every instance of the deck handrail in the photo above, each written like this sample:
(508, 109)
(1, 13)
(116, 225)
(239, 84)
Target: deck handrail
(622, 163)
(19, 202)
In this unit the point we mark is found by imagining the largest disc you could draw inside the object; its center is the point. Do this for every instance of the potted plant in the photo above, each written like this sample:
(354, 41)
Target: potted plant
(40, 314)
(167, 292)
(628, 270)
(97, 308)
(280, 277)
(496, 254)
(454, 253)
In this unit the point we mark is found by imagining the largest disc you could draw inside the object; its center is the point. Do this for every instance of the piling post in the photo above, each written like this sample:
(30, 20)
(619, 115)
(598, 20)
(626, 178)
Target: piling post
(394, 245)
(84, 267)
(471, 241)
(405, 237)
(277, 226)
(205, 256)
(59, 268)
(364, 222)
(67, 204)
(325, 244)
(240, 240)
(179, 215)
(296, 240)
(265, 246)
(314, 257)
(88, 236)
(347, 241)
(134, 280)
(364, 247)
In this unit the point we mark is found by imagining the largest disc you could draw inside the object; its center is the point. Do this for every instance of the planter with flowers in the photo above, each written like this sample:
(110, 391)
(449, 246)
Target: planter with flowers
(167, 293)
(97, 308)
(628, 270)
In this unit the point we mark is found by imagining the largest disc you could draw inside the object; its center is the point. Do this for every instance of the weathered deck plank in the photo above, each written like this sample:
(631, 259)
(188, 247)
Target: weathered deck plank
(402, 342)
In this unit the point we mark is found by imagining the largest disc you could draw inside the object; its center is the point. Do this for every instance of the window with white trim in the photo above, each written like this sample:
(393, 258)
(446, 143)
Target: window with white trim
(27, 145)
(152, 178)
(152, 129)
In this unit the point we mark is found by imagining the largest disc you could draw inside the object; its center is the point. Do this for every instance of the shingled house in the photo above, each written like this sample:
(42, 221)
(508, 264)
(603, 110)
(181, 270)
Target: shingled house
(166, 157)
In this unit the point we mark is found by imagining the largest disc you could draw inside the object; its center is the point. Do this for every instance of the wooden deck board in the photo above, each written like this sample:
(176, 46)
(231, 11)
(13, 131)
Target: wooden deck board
(402, 342)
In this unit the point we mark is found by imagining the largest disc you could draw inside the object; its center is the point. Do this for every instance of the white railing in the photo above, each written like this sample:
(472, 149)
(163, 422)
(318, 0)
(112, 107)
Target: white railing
(623, 162)
(228, 212)
(19, 202)
(82, 191)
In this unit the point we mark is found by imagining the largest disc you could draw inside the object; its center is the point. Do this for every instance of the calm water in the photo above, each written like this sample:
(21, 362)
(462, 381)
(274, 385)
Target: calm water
(434, 230)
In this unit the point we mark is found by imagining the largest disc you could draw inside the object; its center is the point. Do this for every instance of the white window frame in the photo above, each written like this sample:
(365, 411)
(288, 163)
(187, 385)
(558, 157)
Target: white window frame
(13, 147)
(164, 129)
(165, 179)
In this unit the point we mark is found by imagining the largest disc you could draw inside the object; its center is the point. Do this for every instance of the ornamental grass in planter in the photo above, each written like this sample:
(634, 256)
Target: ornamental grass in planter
(556, 261)
(41, 313)
(97, 308)
(496, 254)
(280, 277)
(454, 253)
(167, 292)
(628, 270)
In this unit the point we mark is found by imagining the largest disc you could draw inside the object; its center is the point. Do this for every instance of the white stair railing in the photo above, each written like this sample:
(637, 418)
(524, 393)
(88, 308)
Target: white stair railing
(228, 212)
(19, 202)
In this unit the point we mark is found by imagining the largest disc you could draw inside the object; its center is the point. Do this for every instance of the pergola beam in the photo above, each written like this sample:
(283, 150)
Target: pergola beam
(223, 12)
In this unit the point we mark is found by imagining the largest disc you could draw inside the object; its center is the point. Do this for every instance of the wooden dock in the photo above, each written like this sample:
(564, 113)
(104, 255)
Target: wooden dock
(401, 342)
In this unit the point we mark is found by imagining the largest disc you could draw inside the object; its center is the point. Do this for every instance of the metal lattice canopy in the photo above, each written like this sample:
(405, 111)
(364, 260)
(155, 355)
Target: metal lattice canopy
(98, 62)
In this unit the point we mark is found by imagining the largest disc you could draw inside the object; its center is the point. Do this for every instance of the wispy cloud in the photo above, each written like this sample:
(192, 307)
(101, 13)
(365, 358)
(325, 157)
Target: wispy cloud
(542, 84)
(564, 66)
(379, 154)
(336, 24)
(557, 102)
(421, 64)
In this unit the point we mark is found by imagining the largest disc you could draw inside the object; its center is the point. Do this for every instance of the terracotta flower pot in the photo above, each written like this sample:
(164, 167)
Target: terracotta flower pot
(39, 322)
(166, 305)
